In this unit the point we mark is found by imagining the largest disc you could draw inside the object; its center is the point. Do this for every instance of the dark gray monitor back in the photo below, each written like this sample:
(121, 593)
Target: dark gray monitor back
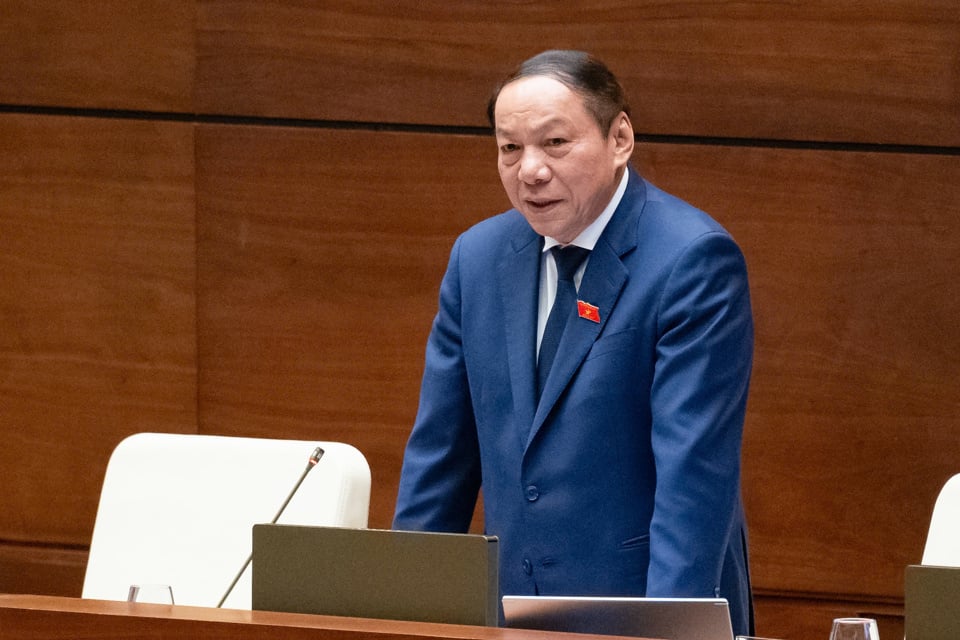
(932, 602)
(376, 573)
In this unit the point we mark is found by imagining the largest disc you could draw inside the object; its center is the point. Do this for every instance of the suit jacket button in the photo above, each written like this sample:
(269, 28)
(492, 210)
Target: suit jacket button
(527, 567)
(533, 493)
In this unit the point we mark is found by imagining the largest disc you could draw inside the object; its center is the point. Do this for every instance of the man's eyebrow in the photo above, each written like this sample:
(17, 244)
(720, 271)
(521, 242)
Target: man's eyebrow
(538, 128)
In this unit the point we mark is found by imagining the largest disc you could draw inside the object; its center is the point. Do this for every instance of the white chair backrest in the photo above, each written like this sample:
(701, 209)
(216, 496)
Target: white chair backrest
(943, 539)
(178, 509)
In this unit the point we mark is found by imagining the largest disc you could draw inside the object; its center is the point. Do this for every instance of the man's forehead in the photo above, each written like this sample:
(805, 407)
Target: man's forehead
(537, 102)
(535, 89)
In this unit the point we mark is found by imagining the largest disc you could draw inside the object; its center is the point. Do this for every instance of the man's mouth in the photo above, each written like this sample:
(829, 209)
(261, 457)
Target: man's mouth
(541, 204)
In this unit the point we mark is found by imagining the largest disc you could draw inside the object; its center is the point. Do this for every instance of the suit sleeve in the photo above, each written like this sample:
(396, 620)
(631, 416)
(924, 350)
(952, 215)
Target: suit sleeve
(440, 478)
(703, 362)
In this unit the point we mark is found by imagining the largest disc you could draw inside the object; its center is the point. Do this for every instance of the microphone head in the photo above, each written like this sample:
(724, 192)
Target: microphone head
(315, 456)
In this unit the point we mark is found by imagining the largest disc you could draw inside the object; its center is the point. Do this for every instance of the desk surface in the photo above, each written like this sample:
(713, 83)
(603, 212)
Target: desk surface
(29, 617)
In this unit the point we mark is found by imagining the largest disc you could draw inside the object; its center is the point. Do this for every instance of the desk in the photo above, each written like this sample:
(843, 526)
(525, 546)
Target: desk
(28, 617)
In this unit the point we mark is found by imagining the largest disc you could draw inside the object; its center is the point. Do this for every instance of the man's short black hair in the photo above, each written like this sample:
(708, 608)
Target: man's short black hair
(580, 72)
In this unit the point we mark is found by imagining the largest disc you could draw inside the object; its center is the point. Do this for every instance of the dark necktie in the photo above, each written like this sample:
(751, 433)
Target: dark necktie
(568, 259)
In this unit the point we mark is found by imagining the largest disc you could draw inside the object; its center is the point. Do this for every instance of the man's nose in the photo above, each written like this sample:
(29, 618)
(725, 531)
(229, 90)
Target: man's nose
(533, 167)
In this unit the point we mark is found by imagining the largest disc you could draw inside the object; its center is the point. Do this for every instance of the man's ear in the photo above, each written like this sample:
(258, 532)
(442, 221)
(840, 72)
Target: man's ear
(621, 133)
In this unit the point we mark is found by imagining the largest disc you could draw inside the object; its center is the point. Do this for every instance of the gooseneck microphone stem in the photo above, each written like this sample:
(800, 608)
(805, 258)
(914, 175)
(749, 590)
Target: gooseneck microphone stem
(311, 463)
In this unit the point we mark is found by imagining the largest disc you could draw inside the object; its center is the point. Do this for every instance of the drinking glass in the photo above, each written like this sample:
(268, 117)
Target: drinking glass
(854, 629)
(152, 593)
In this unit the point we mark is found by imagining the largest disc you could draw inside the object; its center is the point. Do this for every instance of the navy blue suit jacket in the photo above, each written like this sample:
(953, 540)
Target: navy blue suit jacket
(625, 478)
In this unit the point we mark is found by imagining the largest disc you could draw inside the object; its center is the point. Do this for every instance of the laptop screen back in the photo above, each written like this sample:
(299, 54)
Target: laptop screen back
(669, 618)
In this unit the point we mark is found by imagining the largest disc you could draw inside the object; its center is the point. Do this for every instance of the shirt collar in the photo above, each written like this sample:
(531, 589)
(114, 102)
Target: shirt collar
(589, 236)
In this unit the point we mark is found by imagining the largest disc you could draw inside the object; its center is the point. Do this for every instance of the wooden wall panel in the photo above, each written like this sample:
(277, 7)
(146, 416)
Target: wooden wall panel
(800, 618)
(853, 417)
(853, 408)
(298, 302)
(117, 54)
(97, 256)
(50, 570)
(320, 258)
(821, 70)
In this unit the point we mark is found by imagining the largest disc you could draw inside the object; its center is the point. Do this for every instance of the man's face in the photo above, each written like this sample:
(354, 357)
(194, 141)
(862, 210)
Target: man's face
(558, 169)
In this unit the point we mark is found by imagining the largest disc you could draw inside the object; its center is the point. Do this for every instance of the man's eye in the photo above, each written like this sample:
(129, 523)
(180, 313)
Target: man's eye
(508, 148)
(555, 142)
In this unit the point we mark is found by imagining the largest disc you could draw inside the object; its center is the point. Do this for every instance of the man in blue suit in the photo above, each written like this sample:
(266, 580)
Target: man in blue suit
(615, 470)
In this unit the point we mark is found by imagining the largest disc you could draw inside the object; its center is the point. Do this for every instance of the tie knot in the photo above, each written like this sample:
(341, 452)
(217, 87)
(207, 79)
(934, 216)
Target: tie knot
(568, 260)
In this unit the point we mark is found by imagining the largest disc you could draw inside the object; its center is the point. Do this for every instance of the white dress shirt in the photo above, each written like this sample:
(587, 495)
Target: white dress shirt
(548, 266)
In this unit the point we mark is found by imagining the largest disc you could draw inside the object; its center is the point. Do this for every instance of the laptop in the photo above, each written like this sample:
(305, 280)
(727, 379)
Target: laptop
(668, 618)
(931, 602)
(376, 573)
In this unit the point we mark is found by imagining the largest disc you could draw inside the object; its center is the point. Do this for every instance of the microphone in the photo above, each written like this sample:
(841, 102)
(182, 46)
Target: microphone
(311, 463)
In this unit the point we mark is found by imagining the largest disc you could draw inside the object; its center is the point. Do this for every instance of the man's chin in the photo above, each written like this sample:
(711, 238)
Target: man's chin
(543, 222)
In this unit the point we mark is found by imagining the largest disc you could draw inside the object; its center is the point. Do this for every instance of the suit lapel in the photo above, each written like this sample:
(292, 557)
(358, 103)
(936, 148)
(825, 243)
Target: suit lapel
(518, 282)
(603, 280)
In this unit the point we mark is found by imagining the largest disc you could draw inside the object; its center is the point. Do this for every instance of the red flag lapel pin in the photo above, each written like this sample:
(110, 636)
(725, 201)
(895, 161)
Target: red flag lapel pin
(588, 311)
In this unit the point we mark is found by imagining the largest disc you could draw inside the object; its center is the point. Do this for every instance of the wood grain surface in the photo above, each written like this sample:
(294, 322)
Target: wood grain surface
(320, 258)
(97, 308)
(108, 54)
(822, 70)
(852, 419)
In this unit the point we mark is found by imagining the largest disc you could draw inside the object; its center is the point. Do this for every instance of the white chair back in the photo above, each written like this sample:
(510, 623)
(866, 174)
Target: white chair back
(943, 538)
(178, 509)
